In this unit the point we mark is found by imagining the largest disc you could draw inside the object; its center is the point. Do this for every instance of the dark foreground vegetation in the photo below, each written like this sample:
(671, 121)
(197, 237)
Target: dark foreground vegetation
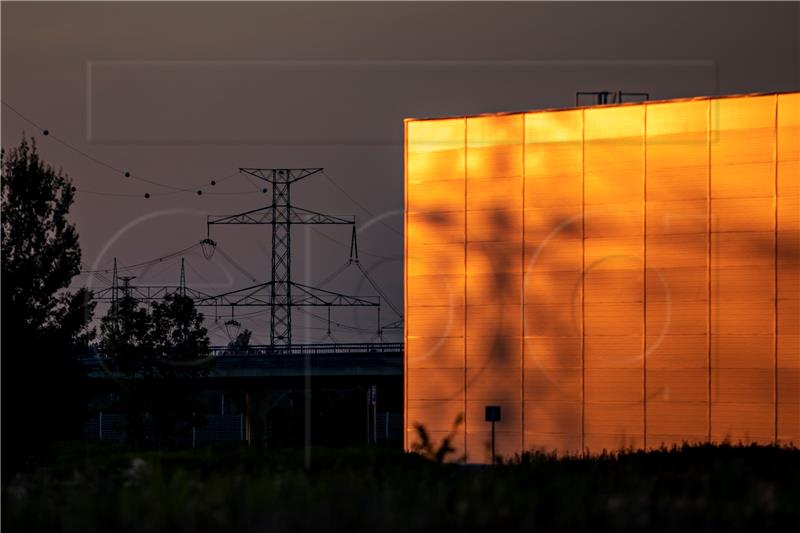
(85, 488)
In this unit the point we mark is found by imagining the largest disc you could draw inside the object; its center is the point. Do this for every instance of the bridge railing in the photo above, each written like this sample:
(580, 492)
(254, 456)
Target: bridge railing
(309, 349)
(294, 350)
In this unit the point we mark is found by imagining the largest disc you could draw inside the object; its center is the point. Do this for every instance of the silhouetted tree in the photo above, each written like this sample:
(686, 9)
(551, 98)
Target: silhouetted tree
(125, 336)
(158, 353)
(178, 334)
(181, 343)
(242, 341)
(44, 325)
(125, 339)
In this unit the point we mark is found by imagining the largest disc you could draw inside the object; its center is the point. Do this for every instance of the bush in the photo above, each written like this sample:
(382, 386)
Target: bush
(108, 488)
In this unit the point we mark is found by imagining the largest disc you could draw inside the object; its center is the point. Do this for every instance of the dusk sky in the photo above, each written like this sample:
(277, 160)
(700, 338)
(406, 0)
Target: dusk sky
(185, 93)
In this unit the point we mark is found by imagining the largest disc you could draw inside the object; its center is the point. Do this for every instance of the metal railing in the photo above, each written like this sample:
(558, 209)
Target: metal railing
(294, 350)
(302, 350)
(216, 429)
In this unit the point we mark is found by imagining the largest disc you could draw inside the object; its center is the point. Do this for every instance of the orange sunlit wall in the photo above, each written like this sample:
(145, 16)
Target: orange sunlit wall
(611, 276)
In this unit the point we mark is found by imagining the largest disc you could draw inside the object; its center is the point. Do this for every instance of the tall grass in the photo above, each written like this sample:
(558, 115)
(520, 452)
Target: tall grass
(84, 488)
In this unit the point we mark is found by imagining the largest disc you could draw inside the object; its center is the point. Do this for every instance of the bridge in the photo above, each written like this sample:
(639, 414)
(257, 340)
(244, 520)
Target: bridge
(357, 389)
(339, 360)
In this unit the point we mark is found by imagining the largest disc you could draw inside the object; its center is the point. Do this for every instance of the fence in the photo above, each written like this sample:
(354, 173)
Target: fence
(388, 427)
(218, 429)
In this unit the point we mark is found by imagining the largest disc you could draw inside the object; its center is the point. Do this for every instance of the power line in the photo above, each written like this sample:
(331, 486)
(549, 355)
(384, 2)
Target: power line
(248, 317)
(359, 204)
(378, 289)
(338, 324)
(333, 275)
(124, 173)
(236, 265)
(172, 193)
(159, 272)
(196, 272)
(346, 245)
(144, 263)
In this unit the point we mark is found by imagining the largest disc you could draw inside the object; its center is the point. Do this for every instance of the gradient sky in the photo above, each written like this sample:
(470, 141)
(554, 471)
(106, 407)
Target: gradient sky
(186, 92)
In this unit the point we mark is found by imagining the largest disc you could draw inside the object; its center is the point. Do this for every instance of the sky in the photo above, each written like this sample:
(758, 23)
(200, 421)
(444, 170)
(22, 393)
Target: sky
(184, 93)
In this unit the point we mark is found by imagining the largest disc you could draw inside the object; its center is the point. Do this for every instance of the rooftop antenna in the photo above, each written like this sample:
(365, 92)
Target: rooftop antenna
(602, 97)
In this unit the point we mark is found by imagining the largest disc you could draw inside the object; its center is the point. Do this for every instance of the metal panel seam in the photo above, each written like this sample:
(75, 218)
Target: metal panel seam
(522, 295)
(644, 276)
(708, 270)
(466, 302)
(775, 277)
(405, 286)
(583, 281)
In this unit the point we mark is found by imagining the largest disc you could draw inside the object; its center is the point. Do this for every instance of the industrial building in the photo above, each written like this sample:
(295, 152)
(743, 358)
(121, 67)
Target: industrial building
(614, 276)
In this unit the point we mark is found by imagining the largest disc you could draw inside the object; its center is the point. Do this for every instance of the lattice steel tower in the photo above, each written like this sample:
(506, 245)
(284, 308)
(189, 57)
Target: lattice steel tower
(281, 289)
(281, 214)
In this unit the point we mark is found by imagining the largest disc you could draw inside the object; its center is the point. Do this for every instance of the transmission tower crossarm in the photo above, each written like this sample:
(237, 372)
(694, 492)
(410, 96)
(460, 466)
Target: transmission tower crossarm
(262, 215)
(282, 215)
(298, 215)
(149, 293)
(266, 215)
(257, 296)
(247, 297)
(286, 175)
(312, 296)
(253, 296)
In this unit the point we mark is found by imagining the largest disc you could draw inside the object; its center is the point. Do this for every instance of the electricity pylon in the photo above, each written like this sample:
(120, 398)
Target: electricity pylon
(283, 292)
(148, 293)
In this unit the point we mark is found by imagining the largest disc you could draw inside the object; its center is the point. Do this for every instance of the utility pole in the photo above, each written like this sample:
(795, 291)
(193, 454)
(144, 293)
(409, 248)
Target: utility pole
(281, 215)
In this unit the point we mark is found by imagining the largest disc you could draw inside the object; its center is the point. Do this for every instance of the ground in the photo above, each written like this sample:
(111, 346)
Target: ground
(83, 487)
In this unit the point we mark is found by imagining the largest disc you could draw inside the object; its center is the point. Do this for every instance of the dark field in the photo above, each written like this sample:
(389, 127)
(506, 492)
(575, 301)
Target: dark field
(85, 488)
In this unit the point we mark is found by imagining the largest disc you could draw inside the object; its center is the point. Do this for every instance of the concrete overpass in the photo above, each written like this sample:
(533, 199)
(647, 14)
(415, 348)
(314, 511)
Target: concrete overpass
(357, 360)
(268, 386)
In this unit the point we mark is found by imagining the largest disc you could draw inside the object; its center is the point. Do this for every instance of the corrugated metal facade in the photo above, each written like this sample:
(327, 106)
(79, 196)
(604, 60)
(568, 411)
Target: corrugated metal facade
(611, 276)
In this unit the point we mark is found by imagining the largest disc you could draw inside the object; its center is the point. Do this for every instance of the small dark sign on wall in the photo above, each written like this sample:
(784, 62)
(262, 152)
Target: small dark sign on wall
(493, 413)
